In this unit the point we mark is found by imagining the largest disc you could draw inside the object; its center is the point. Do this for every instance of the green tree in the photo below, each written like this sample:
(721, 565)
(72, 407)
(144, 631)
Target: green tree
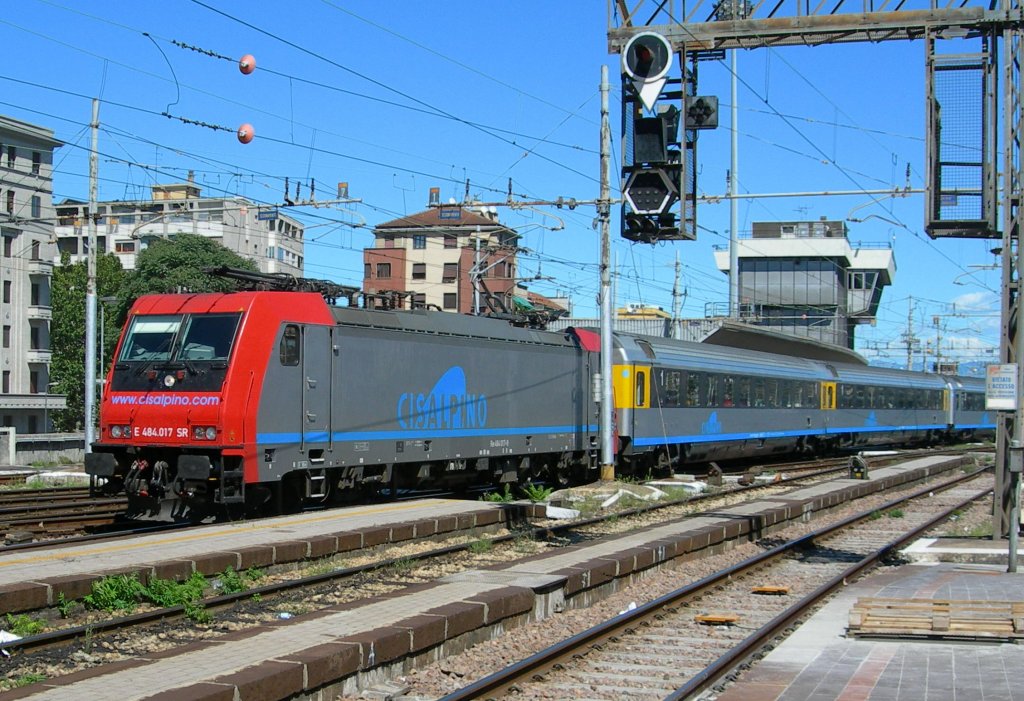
(177, 265)
(67, 330)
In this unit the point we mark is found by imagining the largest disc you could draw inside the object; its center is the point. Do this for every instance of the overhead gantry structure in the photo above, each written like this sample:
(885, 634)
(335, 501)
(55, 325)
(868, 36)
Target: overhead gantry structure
(973, 131)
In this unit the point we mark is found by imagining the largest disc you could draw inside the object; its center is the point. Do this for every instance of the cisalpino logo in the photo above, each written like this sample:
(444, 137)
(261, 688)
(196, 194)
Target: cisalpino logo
(448, 405)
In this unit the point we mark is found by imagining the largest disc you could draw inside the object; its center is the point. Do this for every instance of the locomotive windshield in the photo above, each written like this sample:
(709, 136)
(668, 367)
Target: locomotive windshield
(169, 338)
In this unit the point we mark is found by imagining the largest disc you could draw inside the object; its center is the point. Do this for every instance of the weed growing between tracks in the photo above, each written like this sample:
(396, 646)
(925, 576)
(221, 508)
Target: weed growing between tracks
(124, 592)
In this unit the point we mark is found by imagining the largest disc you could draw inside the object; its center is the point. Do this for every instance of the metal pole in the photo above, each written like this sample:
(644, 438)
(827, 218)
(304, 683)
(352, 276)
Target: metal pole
(604, 214)
(1010, 431)
(90, 290)
(734, 235)
(476, 274)
(676, 307)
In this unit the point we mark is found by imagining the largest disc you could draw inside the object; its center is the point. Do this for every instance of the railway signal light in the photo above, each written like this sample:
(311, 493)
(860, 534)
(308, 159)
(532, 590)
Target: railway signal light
(702, 112)
(645, 60)
(652, 137)
(650, 191)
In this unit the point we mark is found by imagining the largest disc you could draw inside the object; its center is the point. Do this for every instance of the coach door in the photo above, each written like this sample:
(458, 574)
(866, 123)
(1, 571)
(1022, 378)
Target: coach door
(828, 396)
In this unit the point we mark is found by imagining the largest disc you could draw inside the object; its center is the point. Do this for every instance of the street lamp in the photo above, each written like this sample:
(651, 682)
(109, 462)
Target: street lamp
(102, 379)
(46, 406)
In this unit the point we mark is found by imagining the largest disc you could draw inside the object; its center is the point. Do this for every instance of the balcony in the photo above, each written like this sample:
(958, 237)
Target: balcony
(39, 267)
(39, 312)
(38, 355)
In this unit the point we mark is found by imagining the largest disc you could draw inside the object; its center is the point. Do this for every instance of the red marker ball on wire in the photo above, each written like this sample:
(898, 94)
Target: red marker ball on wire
(246, 133)
(247, 64)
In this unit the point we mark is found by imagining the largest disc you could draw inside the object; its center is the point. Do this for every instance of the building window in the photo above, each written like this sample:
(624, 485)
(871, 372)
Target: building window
(36, 293)
(7, 291)
(6, 387)
(366, 271)
(419, 241)
(8, 246)
(419, 271)
(7, 337)
(389, 241)
(383, 271)
(451, 241)
(124, 246)
(10, 201)
(37, 206)
(35, 251)
(12, 155)
(451, 271)
(37, 159)
(33, 338)
(33, 382)
(419, 300)
(450, 300)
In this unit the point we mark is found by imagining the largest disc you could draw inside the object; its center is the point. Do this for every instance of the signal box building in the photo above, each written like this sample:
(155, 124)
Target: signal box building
(432, 258)
(263, 234)
(805, 279)
(26, 269)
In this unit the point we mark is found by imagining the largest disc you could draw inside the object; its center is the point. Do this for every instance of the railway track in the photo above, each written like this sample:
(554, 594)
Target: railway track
(388, 571)
(683, 642)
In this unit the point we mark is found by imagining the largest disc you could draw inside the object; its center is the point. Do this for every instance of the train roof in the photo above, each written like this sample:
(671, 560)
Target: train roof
(889, 377)
(447, 324)
(726, 359)
(719, 358)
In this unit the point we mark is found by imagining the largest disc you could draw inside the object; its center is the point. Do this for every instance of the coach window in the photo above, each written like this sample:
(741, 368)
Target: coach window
(757, 385)
(668, 388)
(742, 397)
(811, 394)
(728, 387)
(290, 345)
(641, 388)
(692, 389)
(785, 393)
(858, 397)
(711, 398)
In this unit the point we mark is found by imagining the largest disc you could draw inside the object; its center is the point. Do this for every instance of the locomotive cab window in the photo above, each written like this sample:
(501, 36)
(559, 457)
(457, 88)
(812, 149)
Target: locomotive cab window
(208, 336)
(290, 345)
(150, 338)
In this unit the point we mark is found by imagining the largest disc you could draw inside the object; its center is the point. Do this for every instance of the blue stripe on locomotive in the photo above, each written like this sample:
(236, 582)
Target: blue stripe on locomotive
(321, 436)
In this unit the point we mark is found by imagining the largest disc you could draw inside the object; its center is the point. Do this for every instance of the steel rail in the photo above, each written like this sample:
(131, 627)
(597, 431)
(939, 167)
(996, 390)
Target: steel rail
(505, 680)
(67, 635)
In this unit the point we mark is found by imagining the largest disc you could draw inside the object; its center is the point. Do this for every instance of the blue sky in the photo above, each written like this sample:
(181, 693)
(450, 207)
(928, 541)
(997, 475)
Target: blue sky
(396, 98)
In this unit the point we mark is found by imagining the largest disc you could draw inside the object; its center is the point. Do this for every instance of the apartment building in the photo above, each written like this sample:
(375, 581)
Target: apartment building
(26, 269)
(262, 233)
(449, 258)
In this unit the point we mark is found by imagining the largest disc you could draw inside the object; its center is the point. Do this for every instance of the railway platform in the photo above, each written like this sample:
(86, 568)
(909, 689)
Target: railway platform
(827, 659)
(345, 648)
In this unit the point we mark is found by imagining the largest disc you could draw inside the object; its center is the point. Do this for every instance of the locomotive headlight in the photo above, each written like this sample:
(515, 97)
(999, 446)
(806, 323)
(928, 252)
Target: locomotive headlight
(169, 381)
(115, 432)
(120, 431)
(204, 433)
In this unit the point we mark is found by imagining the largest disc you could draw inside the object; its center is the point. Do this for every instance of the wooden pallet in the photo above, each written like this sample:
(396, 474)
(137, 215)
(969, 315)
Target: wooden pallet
(872, 616)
